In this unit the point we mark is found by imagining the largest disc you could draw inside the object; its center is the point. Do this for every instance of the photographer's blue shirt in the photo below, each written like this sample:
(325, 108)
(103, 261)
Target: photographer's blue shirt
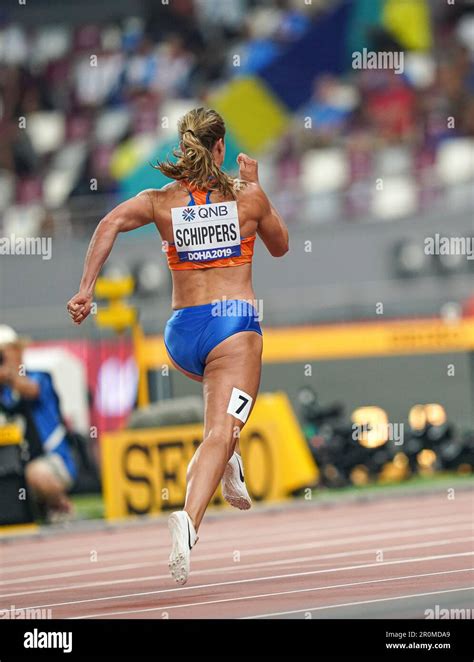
(46, 416)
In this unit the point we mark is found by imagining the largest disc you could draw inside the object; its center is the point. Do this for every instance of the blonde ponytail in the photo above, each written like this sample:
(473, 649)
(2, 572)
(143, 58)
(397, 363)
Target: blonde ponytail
(199, 131)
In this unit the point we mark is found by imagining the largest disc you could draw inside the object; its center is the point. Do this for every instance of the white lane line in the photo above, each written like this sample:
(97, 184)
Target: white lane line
(239, 566)
(271, 595)
(162, 542)
(334, 514)
(298, 518)
(255, 551)
(360, 602)
(92, 571)
(252, 580)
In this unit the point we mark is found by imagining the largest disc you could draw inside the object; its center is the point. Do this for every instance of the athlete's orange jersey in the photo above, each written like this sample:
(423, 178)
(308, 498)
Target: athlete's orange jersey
(246, 245)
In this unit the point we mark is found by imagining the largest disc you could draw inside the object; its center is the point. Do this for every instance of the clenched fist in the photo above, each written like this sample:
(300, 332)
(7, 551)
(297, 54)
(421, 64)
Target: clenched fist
(79, 307)
(248, 168)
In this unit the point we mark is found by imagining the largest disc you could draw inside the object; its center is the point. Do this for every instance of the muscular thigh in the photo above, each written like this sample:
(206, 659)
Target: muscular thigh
(235, 362)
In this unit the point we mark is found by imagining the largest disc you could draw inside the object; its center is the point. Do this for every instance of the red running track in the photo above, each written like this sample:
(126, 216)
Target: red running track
(392, 558)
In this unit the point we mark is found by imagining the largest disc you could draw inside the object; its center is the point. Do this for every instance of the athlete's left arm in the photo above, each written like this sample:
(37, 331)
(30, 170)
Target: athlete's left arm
(129, 215)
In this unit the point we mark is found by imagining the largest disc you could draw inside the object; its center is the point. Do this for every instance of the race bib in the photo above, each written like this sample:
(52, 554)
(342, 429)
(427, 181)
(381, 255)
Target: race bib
(206, 232)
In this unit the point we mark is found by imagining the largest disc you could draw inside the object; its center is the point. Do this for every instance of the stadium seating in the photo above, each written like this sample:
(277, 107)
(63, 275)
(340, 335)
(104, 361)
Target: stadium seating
(101, 101)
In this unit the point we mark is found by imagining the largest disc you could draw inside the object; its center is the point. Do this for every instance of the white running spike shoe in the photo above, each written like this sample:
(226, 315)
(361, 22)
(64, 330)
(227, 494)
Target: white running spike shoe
(183, 539)
(234, 489)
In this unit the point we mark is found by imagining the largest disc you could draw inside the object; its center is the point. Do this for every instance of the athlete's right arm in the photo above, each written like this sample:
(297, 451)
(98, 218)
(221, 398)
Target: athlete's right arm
(271, 227)
(129, 215)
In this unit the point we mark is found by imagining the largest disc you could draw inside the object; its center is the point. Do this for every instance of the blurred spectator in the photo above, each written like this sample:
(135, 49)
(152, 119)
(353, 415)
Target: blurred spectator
(330, 108)
(141, 68)
(389, 106)
(293, 22)
(174, 67)
(96, 76)
(214, 14)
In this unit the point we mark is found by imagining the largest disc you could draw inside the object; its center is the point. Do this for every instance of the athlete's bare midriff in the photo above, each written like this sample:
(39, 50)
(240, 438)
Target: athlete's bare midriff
(195, 287)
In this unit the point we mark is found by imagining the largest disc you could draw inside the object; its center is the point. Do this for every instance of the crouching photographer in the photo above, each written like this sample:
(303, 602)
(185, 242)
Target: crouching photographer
(51, 469)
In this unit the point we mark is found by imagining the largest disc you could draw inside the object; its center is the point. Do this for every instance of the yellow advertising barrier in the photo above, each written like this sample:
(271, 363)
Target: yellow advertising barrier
(144, 471)
(340, 341)
(7, 530)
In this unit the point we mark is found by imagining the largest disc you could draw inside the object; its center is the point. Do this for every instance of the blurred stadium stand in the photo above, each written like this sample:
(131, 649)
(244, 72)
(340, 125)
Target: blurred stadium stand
(77, 138)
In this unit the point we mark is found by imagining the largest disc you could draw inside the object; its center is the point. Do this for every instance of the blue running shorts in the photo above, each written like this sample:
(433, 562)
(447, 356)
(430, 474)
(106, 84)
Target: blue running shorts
(191, 333)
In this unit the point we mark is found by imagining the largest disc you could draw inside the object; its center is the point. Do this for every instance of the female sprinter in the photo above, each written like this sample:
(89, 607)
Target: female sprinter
(208, 223)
